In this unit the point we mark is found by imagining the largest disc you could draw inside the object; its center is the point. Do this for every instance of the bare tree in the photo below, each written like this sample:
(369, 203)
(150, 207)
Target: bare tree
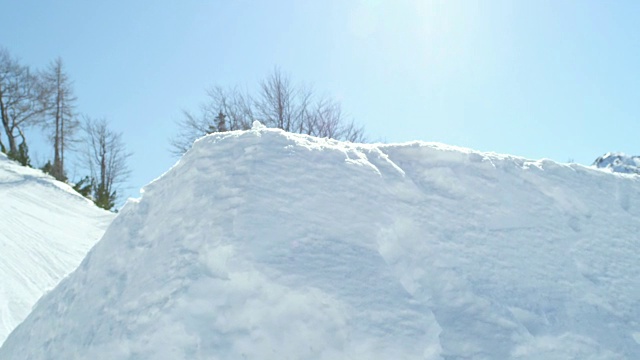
(107, 161)
(229, 104)
(21, 104)
(279, 104)
(326, 119)
(282, 105)
(60, 119)
(294, 108)
(233, 104)
(190, 127)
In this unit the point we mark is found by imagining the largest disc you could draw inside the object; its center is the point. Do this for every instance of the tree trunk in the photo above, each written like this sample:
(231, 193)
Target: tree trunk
(13, 148)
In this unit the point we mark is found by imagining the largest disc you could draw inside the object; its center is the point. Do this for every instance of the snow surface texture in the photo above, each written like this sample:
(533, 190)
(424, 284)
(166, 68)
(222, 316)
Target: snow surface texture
(46, 229)
(619, 162)
(268, 245)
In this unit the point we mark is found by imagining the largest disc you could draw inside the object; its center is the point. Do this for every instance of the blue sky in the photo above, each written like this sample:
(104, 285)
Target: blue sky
(539, 79)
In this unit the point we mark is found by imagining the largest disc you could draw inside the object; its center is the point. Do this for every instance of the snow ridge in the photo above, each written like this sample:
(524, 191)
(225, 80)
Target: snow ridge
(267, 245)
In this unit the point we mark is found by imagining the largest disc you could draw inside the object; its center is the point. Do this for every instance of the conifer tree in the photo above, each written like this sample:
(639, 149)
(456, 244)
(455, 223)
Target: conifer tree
(220, 122)
(84, 187)
(22, 155)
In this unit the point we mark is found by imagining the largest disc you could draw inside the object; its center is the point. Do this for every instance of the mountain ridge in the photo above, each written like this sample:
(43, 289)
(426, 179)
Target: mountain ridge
(619, 162)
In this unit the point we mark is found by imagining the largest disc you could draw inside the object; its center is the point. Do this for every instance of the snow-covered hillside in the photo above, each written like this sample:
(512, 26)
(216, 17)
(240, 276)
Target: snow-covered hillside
(46, 229)
(268, 245)
(619, 162)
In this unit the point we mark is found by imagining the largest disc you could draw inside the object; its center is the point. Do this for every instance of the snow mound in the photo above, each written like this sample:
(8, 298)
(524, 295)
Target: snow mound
(619, 162)
(257, 125)
(46, 229)
(268, 245)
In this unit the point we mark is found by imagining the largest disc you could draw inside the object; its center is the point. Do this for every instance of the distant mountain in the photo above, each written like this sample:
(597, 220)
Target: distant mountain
(619, 162)
(265, 245)
(46, 229)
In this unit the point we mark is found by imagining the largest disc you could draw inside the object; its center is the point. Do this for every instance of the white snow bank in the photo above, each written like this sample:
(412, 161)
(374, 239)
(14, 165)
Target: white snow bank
(46, 229)
(267, 245)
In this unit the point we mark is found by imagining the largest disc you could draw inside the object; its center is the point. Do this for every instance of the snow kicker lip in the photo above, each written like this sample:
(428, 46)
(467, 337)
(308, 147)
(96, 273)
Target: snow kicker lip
(263, 244)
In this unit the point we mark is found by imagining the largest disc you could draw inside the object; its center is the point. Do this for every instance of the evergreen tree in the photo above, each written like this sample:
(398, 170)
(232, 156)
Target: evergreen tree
(219, 124)
(84, 186)
(220, 121)
(102, 198)
(46, 168)
(21, 155)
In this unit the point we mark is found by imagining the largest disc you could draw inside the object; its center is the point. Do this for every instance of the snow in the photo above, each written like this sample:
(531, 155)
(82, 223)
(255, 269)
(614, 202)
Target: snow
(46, 229)
(268, 245)
(619, 162)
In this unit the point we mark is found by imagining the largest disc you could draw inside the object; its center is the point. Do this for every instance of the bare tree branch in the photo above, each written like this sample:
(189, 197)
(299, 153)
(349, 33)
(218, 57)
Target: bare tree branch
(21, 100)
(278, 104)
(60, 117)
(106, 159)
(235, 107)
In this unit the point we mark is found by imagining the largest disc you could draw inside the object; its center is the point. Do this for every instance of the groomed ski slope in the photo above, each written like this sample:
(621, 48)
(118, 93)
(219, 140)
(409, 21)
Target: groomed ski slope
(46, 229)
(268, 245)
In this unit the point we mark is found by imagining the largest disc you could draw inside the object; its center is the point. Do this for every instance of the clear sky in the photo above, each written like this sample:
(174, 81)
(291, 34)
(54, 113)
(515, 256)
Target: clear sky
(539, 79)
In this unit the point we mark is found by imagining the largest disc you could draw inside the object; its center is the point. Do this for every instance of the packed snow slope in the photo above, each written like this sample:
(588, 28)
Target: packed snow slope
(267, 245)
(46, 229)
